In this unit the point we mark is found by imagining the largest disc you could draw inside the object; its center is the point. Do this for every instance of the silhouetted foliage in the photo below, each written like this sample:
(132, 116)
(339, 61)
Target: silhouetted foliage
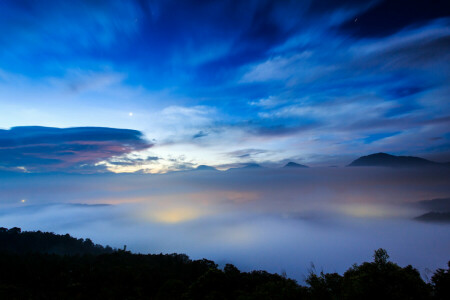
(37, 265)
(441, 283)
(16, 241)
(379, 279)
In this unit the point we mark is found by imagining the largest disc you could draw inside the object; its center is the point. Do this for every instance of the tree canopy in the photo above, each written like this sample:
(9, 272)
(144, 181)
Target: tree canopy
(38, 265)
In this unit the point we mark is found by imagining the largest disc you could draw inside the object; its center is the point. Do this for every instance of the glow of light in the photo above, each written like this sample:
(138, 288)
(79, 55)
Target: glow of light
(367, 211)
(175, 215)
(23, 200)
(130, 114)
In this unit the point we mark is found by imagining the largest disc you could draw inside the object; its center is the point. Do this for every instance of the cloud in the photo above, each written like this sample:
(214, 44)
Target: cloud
(132, 161)
(247, 153)
(276, 68)
(78, 82)
(199, 134)
(39, 149)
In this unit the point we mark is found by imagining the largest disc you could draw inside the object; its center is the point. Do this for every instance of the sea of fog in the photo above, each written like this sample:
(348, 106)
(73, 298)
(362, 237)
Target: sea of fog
(279, 220)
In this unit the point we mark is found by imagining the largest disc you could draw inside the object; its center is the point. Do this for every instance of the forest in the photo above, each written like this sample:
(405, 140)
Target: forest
(43, 265)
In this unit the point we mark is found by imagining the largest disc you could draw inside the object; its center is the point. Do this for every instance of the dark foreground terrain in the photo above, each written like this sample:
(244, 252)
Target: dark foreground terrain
(38, 265)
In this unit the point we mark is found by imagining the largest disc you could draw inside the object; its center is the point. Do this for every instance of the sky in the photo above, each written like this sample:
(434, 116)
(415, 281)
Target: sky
(157, 86)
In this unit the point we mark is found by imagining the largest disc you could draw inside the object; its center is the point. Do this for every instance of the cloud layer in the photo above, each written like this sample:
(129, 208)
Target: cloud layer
(271, 219)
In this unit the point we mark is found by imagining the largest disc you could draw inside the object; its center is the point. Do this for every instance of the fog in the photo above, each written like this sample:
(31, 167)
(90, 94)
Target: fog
(279, 220)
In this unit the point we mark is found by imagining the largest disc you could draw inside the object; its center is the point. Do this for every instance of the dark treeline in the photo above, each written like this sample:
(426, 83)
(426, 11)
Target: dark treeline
(16, 241)
(37, 265)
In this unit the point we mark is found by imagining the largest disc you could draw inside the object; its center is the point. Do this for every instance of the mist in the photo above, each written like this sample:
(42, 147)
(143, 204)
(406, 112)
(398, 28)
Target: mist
(279, 220)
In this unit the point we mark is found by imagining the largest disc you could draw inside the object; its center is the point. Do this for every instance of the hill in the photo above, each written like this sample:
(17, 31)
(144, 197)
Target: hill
(248, 166)
(205, 168)
(15, 241)
(89, 271)
(387, 160)
(436, 217)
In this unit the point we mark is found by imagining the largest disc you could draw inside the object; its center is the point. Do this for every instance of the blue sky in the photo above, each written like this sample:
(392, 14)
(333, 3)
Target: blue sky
(221, 83)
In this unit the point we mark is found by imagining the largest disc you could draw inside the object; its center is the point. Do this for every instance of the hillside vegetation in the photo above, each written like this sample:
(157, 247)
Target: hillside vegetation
(38, 265)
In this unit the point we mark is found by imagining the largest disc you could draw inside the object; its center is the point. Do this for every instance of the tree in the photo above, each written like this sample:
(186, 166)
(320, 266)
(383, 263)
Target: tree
(380, 257)
(441, 283)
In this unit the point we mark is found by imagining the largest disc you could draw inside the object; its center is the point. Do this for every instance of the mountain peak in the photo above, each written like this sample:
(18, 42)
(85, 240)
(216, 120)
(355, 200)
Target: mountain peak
(205, 168)
(387, 160)
(292, 164)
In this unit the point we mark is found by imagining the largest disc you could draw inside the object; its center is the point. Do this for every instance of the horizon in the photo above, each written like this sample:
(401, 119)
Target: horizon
(251, 164)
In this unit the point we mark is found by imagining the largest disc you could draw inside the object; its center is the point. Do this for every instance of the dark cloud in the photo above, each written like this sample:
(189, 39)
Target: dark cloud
(404, 91)
(39, 149)
(390, 16)
(199, 134)
(278, 127)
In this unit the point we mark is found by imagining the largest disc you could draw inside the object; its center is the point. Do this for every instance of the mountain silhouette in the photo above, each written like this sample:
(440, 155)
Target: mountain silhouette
(437, 217)
(205, 168)
(294, 165)
(387, 160)
(248, 166)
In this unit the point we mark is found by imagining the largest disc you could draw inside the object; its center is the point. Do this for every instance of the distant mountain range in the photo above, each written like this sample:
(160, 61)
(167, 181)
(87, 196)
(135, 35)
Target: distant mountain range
(372, 160)
(289, 165)
(246, 167)
(387, 160)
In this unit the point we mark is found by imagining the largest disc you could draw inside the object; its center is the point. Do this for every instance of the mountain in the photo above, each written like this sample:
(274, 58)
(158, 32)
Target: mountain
(205, 168)
(438, 210)
(294, 165)
(246, 167)
(387, 160)
(437, 217)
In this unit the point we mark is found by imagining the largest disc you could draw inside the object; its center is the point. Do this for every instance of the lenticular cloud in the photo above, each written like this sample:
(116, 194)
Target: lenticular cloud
(41, 149)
